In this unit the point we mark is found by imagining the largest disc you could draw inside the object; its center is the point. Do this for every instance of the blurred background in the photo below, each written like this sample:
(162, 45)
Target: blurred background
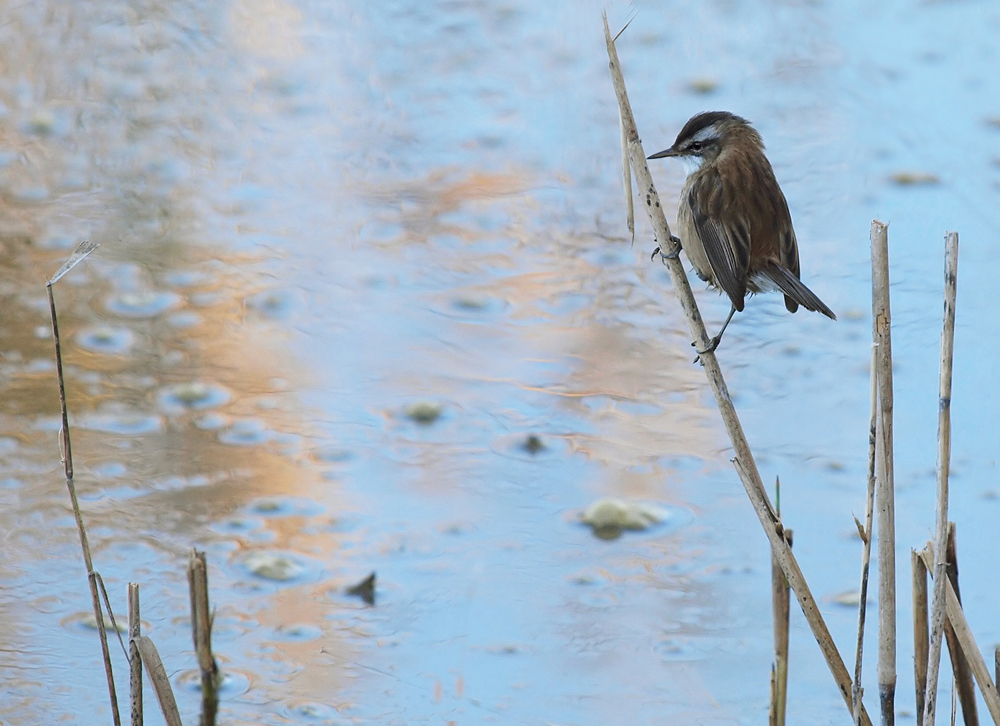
(365, 301)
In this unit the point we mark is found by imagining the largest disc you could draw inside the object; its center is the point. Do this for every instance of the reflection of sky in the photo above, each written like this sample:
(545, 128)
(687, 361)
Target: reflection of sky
(436, 191)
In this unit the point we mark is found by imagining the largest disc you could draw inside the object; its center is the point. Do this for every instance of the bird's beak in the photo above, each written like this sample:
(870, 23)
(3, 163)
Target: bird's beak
(665, 153)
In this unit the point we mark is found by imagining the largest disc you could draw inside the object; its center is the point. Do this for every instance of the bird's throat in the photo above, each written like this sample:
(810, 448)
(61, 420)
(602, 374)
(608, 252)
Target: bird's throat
(691, 163)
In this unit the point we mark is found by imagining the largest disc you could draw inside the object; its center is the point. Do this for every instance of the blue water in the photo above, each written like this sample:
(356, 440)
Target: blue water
(362, 207)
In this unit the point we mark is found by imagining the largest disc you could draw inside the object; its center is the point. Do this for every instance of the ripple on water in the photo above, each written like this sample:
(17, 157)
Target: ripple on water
(185, 319)
(192, 396)
(332, 454)
(295, 633)
(309, 712)
(106, 339)
(245, 432)
(244, 527)
(126, 424)
(678, 649)
(146, 304)
(27, 195)
(188, 278)
(277, 304)
(212, 422)
(234, 683)
(86, 622)
(284, 506)
(474, 308)
(110, 470)
(58, 242)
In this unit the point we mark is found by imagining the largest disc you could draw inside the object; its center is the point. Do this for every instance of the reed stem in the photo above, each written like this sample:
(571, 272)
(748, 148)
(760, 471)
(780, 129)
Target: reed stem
(884, 486)
(943, 467)
(134, 659)
(866, 536)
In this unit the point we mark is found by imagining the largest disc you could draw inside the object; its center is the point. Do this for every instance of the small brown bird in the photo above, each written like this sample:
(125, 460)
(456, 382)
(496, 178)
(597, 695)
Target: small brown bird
(733, 218)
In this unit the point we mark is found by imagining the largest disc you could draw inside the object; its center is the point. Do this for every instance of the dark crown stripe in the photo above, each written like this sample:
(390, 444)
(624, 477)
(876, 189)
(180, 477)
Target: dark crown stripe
(703, 121)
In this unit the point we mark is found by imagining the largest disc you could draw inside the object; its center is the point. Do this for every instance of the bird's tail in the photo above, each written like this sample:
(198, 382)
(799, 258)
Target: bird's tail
(795, 292)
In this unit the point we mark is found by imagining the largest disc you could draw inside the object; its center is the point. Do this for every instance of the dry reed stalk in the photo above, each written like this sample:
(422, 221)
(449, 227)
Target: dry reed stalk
(780, 609)
(201, 630)
(959, 663)
(134, 659)
(744, 462)
(627, 183)
(996, 664)
(943, 465)
(158, 677)
(866, 537)
(66, 453)
(920, 645)
(955, 614)
(953, 705)
(884, 487)
(772, 714)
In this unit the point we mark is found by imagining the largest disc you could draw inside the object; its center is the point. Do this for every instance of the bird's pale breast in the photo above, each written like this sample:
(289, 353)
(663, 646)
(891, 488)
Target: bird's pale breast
(690, 241)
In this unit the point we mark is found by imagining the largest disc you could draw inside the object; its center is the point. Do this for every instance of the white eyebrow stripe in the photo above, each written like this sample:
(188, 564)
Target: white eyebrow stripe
(707, 133)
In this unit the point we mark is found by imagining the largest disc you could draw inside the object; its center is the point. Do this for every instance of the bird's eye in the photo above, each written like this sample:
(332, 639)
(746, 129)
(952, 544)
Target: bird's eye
(696, 146)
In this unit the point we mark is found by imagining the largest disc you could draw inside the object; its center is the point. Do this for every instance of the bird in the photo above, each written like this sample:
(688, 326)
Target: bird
(733, 218)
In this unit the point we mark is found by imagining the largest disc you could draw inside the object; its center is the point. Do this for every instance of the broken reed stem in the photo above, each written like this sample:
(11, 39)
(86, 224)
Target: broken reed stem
(966, 641)
(884, 488)
(66, 453)
(134, 659)
(920, 645)
(201, 631)
(744, 462)
(158, 678)
(959, 663)
(780, 608)
(943, 466)
(866, 537)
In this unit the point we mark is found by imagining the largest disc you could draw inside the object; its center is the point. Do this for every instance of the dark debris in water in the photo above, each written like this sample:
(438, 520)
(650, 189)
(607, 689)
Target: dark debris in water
(364, 589)
(533, 444)
(424, 412)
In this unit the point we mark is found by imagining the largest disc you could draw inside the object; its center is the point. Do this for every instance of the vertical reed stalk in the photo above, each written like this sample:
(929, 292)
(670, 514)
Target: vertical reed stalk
(201, 630)
(943, 466)
(134, 659)
(866, 537)
(744, 462)
(881, 333)
(66, 452)
(780, 608)
(919, 632)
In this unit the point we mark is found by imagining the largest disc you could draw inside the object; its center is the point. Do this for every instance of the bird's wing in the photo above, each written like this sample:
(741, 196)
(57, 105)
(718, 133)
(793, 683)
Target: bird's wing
(788, 248)
(724, 234)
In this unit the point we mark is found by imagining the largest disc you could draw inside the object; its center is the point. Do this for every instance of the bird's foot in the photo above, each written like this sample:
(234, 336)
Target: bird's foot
(671, 255)
(712, 345)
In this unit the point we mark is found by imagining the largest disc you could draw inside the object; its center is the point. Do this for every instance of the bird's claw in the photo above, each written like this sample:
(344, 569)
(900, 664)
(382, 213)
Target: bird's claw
(671, 255)
(712, 345)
